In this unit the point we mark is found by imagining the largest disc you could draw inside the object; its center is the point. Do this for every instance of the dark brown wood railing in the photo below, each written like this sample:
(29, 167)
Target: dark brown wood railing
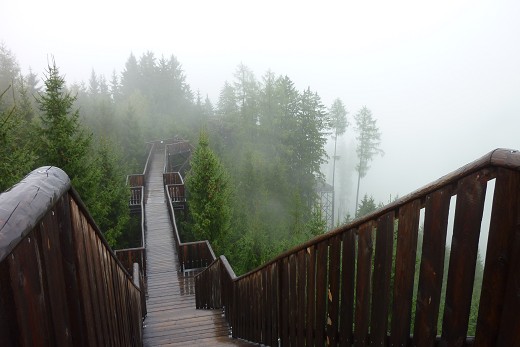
(137, 184)
(336, 288)
(60, 283)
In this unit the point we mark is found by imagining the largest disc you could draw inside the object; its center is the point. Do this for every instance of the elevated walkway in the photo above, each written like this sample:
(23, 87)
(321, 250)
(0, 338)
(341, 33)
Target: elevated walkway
(172, 319)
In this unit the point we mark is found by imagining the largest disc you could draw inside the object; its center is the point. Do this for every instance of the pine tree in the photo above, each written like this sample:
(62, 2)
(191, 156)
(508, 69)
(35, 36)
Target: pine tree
(338, 123)
(369, 142)
(366, 206)
(63, 141)
(16, 157)
(209, 195)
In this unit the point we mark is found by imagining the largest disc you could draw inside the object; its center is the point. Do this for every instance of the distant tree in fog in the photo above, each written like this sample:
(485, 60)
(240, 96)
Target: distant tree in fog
(369, 142)
(338, 123)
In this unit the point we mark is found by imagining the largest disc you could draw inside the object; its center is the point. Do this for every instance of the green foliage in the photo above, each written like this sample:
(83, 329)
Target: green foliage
(209, 195)
(16, 157)
(366, 206)
(96, 172)
(110, 206)
(369, 140)
(338, 117)
(63, 141)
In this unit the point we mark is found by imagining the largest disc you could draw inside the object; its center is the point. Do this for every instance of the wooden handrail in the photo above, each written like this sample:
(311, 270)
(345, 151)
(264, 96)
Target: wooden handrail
(192, 255)
(60, 283)
(306, 295)
(137, 182)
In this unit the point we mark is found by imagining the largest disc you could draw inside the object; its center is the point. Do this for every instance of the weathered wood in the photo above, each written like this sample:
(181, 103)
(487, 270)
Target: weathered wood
(29, 296)
(348, 271)
(471, 192)
(311, 296)
(293, 301)
(27, 202)
(372, 300)
(381, 280)
(432, 266)
(9, 333)
(363, 287)
(333, 294)
(47, 236)
(499, 257)
(302, 291)
(509, 333)
(404, 273)
(321, 292)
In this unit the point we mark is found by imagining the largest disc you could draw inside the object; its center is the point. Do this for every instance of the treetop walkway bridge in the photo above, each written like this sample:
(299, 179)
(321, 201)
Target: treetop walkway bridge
(62, 285)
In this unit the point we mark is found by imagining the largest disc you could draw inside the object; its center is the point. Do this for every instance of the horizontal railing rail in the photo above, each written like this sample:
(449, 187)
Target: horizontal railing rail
(348, 287)
(136, 204)
(192, 255)
(60, 283)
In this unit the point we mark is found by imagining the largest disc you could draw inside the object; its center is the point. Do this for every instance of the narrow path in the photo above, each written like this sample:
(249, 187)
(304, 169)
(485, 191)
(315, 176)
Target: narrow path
(172, 319)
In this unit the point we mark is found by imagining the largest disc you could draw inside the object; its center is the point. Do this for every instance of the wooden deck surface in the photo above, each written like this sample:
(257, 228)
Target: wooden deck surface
(172, 319)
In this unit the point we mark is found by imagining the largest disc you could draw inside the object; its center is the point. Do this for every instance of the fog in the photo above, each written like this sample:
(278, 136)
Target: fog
(442, 78)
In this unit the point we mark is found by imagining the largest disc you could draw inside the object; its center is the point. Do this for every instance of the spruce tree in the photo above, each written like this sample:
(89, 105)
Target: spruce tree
(369, 142)
(64, 143)
(209, 196)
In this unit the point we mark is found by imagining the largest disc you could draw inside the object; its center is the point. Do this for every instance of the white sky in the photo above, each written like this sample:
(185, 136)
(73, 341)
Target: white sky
(442, 78)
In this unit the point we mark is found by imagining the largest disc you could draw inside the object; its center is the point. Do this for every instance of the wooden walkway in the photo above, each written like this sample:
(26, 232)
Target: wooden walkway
(172, 319)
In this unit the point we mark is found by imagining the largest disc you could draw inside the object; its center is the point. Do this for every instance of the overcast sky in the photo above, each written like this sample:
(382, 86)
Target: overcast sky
(442, 78)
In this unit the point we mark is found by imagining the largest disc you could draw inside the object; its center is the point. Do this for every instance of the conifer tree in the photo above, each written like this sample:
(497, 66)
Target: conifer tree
(338, 124)
(63, 142)
(209, 195)
(16, 158)
(369, 142)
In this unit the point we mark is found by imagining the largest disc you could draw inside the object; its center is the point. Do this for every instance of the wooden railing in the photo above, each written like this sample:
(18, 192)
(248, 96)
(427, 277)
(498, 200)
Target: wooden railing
(60, 283)
(192, 255)
(137, 183)
(177, 155)
(336, 289)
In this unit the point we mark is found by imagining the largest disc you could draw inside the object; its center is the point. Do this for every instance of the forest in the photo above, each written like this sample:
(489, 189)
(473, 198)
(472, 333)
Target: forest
(265, 139)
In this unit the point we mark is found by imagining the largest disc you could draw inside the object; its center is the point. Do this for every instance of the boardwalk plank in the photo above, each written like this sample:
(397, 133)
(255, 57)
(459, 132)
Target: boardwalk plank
(172, 319)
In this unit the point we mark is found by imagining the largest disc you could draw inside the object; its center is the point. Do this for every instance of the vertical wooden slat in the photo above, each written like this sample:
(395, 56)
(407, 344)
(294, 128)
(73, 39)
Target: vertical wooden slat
(471, 192)
(311, 296)
(275, 297)
(348, 269)
(381, 282)
(265, 308)
(404, 273)
(333, 294)
(48, 238)
(268, 316)
(321, 292)
(91, 280)
(70, 271)
(28, 293)
(82, 275)
(509, 333)
(8, 322)
(284, 298)
(432, 267)
(302, 284)
(499, 257)
(363, 288)
(293, 300)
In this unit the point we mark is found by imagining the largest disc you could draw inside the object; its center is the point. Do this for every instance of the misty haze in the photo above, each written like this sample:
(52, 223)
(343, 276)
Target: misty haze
(299, 117)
